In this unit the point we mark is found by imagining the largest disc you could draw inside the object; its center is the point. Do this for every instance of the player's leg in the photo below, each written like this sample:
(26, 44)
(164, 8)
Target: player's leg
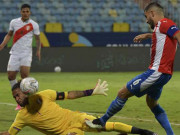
(159, 114)
(110, 126)
(115, 106)
(12, 77)
(12, 69)
(25, 63)
(85, 119)
(73, 131)
(124, 128)
(152, 102)
(24, 71)
(76, 124)
(133, 87)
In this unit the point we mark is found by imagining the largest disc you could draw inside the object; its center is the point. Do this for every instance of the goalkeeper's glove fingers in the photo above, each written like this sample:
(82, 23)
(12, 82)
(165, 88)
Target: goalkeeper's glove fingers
(101, 88)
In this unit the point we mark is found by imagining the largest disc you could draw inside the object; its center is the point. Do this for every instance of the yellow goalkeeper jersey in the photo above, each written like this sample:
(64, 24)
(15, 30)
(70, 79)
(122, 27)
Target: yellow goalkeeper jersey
(43, 114)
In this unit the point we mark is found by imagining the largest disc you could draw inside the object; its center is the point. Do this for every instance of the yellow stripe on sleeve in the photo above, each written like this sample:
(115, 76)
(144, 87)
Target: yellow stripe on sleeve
(65, 95)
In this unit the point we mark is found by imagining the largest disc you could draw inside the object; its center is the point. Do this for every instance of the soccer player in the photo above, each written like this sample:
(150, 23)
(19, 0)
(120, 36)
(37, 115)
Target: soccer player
(22, 29)
(164, 43)
(41, 112)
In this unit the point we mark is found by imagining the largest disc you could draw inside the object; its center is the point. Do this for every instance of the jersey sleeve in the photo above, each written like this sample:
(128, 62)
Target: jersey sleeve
(17, 125)
(11, 26)
(36, 29)
(169, 28)
(51, 94)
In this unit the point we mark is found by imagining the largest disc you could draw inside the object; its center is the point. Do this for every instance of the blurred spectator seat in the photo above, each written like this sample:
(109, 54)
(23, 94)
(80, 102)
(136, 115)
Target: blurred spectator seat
(53, 27)
(174, 2)
(94, 15)
(121, 27)
(113, 13)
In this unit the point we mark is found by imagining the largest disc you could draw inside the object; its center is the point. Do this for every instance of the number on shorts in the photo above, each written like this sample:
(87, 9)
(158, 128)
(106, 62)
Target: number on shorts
(136, 82)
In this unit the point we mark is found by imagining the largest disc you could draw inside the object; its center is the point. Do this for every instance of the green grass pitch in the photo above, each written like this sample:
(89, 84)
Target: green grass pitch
(135, 111)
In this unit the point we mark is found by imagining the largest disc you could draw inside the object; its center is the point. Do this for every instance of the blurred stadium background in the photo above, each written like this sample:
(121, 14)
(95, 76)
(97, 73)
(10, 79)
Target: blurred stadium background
(88, 25)
(86, 15)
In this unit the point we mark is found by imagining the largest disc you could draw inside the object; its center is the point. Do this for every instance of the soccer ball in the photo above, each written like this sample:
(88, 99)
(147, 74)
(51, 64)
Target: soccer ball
(57, 69)
(29, 85)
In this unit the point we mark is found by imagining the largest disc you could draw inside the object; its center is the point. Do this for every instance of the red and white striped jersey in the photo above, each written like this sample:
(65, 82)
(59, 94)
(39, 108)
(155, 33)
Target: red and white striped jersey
(23, 35)
(163, 46)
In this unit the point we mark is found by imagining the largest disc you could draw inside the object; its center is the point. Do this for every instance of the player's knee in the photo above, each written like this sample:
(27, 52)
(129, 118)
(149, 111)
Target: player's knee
(11, 77)
(124, 93)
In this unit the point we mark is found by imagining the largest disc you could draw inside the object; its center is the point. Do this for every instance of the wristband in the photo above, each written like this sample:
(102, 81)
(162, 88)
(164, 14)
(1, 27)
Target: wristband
(62, 95)
(88, 92)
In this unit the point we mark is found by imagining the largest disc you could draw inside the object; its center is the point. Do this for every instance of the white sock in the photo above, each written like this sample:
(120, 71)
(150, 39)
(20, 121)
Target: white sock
(12, 82)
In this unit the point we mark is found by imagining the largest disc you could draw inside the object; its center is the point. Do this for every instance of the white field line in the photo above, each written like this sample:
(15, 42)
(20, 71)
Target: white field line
(10, 104)
(119, 117)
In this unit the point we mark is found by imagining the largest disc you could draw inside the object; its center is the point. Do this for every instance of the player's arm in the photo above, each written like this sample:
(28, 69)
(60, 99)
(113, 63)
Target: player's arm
(177, 36)
(141, 37)
(6, 39)
(12, 131)
(17, 125)
(100, 89)
(38, 45)
(4, 133)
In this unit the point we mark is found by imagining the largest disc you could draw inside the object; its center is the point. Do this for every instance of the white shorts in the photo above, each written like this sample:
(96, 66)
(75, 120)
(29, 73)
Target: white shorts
(16, 61)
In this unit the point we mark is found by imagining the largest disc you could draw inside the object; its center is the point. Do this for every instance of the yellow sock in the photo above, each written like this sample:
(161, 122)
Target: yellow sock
(118, 126)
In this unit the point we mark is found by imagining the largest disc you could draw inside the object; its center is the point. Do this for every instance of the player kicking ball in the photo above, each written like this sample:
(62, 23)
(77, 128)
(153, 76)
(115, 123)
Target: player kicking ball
(165, 37)
(41, 112)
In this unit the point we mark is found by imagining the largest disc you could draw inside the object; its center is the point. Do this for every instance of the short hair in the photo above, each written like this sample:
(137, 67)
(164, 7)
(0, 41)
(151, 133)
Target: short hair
(17, 85)
(25, 6)
(154, 4)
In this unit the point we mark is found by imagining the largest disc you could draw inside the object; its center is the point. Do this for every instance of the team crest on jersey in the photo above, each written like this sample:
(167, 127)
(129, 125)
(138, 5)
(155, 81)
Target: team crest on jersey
(27, 28)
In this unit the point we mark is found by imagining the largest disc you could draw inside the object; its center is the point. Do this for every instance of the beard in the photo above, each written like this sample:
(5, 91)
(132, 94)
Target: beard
(151, 23)
(23, 103)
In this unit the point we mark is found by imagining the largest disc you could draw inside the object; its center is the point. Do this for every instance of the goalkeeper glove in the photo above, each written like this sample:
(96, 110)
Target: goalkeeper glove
(100, 88)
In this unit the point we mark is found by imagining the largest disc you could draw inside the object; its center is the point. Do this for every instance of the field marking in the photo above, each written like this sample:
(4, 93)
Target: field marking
(119, 117)
(10, 104)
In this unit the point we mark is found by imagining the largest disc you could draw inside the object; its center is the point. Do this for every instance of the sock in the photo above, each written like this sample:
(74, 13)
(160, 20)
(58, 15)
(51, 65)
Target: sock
(12, 82)
(162, 118)
(115, 107)
(118, 126)
(136, 130)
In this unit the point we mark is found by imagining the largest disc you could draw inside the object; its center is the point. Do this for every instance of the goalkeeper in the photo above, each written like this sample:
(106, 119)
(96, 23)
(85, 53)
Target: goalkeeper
(41, 112)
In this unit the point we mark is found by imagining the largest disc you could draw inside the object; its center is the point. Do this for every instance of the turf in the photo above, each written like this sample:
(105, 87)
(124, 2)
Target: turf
(135, 111)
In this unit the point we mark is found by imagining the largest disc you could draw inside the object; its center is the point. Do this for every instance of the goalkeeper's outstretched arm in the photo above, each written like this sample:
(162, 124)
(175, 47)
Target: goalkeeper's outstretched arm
(100, 89)
(4, 133)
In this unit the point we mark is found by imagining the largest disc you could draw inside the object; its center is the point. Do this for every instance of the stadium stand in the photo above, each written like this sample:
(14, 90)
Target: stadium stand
(53, 27)
(121, 27)
(85, 15)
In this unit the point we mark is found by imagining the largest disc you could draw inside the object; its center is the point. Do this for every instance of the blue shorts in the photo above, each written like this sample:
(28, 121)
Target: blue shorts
(150, 82)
